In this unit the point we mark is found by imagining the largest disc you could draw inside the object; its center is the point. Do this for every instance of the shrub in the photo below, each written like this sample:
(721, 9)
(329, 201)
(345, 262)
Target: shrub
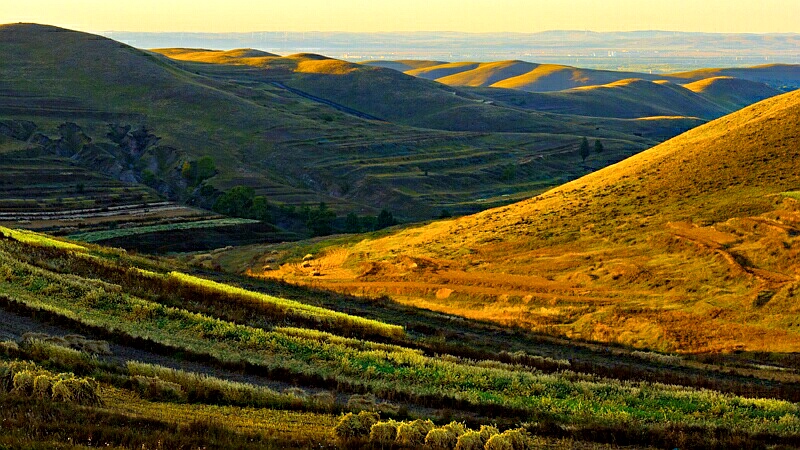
(352, 426)
(43, 386)
(7, 372)
(471, 440)
(322, 401)
(58, 354)
(498, 442)
(76, 390)
(488, 431)
(366, 402)
(457, 428)
(23, 382)
(157, 389)
(383, 433)
(9, 348)
(413, 434)
(441, 439)
(518, 438)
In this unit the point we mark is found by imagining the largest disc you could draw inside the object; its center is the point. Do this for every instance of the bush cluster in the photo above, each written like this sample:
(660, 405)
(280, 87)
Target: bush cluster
(30, 381)
(424, 434)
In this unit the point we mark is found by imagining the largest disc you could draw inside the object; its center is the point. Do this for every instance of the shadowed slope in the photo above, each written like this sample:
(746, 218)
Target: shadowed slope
(403, 65)
(297, 129)
(400, 98)
(732, 92)
(630, 98)
(486, 74)
(216, 56)
(553, 77)
(772, 74)
(689, 246)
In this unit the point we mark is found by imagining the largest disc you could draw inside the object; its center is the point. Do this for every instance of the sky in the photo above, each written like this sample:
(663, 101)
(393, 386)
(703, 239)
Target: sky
(735, 16)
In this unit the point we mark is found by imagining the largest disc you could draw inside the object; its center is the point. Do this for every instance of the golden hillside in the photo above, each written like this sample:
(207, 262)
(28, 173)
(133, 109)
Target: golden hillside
(237, 56)
(553, 77)
(731, 92)
(486, 74)
(689, 246)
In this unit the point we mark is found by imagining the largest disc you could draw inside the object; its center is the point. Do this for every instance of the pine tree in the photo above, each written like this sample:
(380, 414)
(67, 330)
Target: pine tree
(598, 146)
(584, 149)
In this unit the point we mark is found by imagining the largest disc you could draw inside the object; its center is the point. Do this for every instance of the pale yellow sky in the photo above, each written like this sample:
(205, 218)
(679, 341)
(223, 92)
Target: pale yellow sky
(753, 16)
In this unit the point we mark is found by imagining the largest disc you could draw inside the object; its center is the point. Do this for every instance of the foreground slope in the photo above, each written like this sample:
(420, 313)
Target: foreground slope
(689, 246)
(168, 359)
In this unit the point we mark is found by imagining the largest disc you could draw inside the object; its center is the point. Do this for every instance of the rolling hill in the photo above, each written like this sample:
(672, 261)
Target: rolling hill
(629, 98)
(690, 246)
(300, 129)
(533, 77)
(729, 92)
(403, 65)
(520, 75)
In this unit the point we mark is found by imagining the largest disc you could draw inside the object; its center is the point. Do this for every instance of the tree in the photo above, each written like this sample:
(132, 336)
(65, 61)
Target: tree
(598, 146)
(237, 202)
(384, 219)
(352, 224)
(259, 210)
(195, 172)
(584, 149)
(320, 220)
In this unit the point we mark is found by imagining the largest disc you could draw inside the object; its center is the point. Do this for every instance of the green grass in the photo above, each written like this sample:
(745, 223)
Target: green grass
(291, 307)
(319, 149)
(571, 397)
(34, 238)
(792, 194)
(96, 236)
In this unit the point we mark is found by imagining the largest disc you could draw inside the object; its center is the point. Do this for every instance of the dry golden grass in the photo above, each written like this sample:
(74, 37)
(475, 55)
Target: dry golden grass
(246, 56)
(486, 74)
(688, 247)
(731, 92)
(442, 70)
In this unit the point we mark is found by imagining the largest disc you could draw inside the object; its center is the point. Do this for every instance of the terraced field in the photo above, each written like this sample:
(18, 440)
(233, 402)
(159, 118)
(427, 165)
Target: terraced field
(92, 333)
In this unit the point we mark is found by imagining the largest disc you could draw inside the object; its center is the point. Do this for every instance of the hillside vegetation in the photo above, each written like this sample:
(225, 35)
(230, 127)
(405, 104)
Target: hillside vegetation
(533, 77)
(299, 130)
(689, 246)
(104, 348)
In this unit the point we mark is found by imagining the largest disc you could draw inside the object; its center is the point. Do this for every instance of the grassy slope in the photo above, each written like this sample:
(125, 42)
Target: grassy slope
(731, 92)
(292, 149)
(774, 74)
(123, 84)
(630, 98)
(120, 298)
(396, 97)
(552, 77)
(689, 246)
(403, 65)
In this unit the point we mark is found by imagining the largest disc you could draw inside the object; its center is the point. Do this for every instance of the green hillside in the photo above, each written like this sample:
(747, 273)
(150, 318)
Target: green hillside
(103, 348)
(299, 130)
